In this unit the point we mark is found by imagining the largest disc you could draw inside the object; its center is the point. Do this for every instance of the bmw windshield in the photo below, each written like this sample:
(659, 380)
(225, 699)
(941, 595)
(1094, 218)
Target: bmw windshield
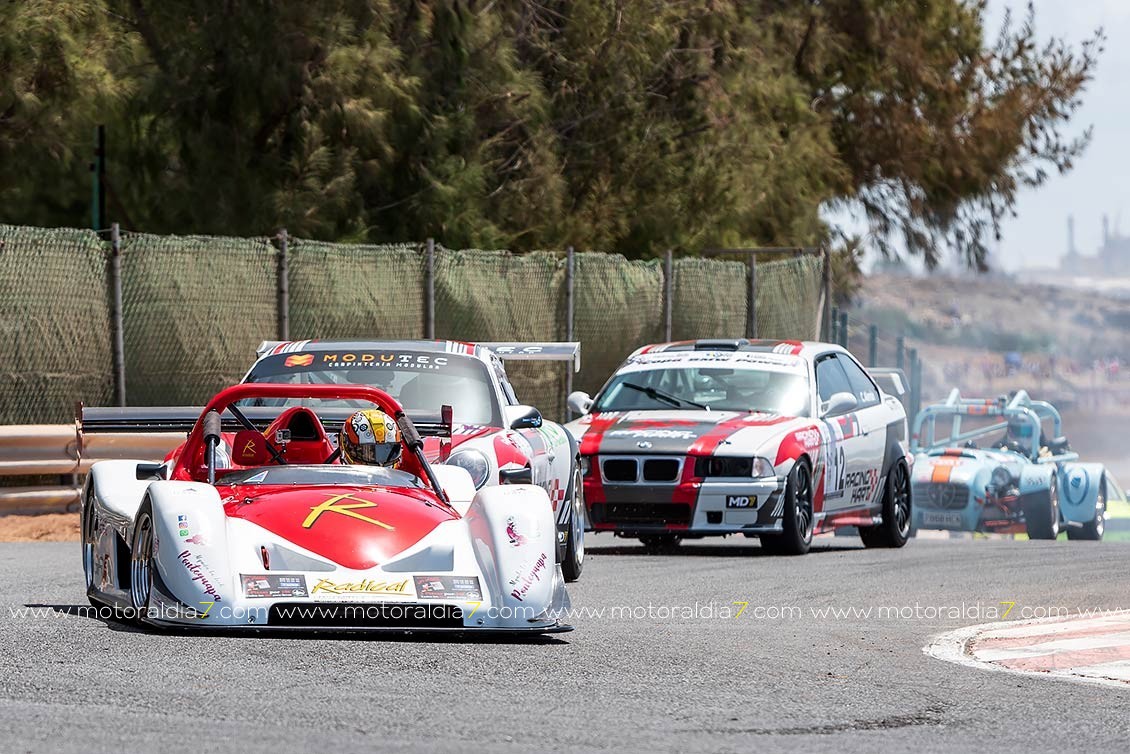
(713, 388)
(421, 381)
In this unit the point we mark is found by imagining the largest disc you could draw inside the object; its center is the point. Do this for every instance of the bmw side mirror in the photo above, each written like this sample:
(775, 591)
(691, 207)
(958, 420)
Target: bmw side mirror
(839, 403)
(522, 417)
(579, 402)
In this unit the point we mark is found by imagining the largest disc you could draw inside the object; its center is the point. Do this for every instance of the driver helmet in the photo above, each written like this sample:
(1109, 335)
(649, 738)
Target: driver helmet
(370, 437)
(1020, 431)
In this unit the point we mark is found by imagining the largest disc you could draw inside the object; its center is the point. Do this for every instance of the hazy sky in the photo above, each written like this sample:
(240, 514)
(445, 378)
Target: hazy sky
(1037, 236)
(1100, 181)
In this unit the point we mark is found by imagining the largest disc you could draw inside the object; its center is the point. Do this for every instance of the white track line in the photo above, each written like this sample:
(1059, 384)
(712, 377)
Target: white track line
(955, 647)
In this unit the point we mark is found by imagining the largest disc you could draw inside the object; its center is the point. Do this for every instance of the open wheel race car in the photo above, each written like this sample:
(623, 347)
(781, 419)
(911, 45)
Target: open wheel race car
(278, 532)
(1004, 477)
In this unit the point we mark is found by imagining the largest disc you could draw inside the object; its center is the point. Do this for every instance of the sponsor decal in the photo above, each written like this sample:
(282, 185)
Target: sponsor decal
(299, 360)
(664, 434)
(522, 583)
(182, 526)
(365, 586)
(809, 438)
(335, 504)
(197, 569)
(741, 501)
(383, 359)
(196, 539)
(448, 588)
(516, 538)
(863, 484)
(258, 586)
(1077, 485)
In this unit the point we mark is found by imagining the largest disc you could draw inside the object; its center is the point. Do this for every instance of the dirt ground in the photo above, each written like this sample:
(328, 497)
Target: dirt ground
(47, 527)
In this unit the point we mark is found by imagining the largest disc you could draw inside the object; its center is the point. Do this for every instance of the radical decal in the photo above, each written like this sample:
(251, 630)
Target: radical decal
(365, 586)
(335, 505)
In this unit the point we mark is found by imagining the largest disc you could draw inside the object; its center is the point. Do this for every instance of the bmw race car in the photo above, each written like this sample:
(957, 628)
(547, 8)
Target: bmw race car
(775, 439)
(279, 533)
(1004, 476)
(497, 439)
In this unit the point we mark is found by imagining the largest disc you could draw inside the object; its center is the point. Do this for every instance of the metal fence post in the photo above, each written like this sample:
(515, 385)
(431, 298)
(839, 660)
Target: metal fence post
(430, 290)
(915, 381)
(118, 356)
(844, 328)
(570, 261)
(900, 352)
(826, 283)
(668, 293)
(873, 346)
(833, 328)
(751, 314)
(283, 287)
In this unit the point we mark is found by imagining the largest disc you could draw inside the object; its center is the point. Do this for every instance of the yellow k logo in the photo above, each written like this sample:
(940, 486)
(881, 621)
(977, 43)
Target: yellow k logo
(335, 505)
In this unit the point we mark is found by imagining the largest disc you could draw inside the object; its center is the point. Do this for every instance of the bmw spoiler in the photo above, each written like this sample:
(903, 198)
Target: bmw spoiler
(552, 351)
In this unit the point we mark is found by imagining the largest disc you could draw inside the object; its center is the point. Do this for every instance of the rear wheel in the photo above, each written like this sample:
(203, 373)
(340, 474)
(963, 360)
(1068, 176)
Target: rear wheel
(1041, 513)
(659, 543)
(798, 518)
(1094, 529)
(141, 561)
(574, 561)
(895, 529)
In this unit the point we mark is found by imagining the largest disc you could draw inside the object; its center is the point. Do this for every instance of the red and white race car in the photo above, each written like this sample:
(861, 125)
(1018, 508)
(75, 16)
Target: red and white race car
(775, 439)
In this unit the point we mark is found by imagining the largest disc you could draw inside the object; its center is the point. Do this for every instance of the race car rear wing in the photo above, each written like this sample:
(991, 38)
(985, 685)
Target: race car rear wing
(152, 431)
(551, 351)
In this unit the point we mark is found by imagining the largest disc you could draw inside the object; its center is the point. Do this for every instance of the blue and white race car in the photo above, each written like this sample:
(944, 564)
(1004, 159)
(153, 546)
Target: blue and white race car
(1004, 475)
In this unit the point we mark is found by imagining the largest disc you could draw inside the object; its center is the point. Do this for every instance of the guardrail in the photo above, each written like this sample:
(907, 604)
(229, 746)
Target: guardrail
(60, 450)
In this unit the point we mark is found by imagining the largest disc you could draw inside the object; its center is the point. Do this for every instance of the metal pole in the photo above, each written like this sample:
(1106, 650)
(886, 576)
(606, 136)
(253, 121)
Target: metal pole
(751, 320)
(826, 282)
(900, 352)
(668, 294)
(570, 261)
(834, 320)
(915, 380)
(283, 288)
(117, 319)
(873, 346)
(843, 328)
(430, 291)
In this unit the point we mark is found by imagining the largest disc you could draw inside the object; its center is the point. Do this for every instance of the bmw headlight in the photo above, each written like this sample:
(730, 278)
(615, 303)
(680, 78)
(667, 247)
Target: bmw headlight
(1001, 478)
(475, 464)
(762, 467)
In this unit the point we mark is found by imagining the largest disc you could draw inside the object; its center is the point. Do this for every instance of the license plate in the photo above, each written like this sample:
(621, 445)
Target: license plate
(935, 518)
(741, 501)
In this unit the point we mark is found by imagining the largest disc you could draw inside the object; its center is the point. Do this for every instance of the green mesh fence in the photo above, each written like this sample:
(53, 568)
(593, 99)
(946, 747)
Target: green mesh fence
(55, 324)
(195, 309)
(360, 292)
(709, 299)
(788, 296)
(495, 295)
(618, 306)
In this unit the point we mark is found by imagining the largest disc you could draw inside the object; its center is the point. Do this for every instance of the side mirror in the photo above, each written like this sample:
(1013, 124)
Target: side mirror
(524, 475)
(579, 402)
(839, 403)
(521, 417)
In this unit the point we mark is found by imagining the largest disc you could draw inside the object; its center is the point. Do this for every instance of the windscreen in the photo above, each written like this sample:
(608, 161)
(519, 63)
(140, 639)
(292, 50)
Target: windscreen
(336, 475)
(744, 388)
(421, 382)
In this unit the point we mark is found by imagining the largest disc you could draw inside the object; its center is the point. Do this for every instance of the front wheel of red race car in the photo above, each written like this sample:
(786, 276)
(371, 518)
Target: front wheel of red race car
(797, 519)
(574, 560)
(895, 529)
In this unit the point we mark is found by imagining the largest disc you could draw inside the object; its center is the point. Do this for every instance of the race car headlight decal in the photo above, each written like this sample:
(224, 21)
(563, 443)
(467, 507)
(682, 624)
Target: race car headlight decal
(475, 464)
(1001, 478)
(733, 467)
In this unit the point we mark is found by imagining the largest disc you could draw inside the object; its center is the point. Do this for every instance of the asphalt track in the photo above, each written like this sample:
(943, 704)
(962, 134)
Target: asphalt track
(652, 677)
